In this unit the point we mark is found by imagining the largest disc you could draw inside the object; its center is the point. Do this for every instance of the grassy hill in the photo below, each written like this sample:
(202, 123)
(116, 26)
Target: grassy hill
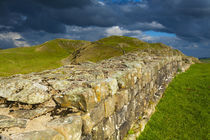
(55, 53)
(115, 46)
(183, 112)
(36, 58)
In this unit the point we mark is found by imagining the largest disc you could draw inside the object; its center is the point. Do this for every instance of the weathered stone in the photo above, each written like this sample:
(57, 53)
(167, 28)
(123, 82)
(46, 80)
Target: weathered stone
(112, 85)
(61, 85)
(82, 99)
(124, 129)
(3, 117)
(87, 137)
(31, 91)
(88, 123)
(109, 126)
(2, 101)
(130, 113)
(39, 135)
(114, 136)
(109, 105)
(101, 90)
(98, 132)
(30, 114)
(98, 113)
(48, 104)
(3, 137)
(70, 127)
(121, 116)
(120, 79)
(121, 99)
(7, 122)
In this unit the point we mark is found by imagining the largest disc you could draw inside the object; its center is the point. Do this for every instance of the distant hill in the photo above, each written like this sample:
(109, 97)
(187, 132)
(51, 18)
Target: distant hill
(55, 53)
(205, 60)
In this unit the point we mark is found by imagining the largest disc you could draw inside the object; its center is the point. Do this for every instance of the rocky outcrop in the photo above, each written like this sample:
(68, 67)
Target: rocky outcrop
(89, 100)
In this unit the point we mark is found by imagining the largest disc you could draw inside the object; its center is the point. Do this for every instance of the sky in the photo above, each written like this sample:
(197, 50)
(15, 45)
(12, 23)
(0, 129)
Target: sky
(182, 24)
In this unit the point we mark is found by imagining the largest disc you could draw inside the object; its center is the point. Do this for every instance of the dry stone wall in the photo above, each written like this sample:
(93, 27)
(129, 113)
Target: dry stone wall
(87, 101)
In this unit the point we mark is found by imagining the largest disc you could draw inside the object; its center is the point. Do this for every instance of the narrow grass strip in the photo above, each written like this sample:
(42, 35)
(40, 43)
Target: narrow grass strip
(183, 112)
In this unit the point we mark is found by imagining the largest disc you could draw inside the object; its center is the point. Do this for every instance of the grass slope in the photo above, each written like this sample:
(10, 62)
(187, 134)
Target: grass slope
(183, 112)
(36, 58)
(117, 45)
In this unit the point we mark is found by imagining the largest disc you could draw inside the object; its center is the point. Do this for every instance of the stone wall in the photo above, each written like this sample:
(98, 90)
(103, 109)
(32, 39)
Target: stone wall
(87, 101)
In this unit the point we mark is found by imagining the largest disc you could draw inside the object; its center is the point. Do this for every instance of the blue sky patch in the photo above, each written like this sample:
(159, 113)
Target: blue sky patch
(154, 33)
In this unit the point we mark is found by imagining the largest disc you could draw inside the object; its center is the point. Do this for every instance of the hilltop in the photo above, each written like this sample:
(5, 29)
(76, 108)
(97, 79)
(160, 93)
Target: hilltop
(55, 53)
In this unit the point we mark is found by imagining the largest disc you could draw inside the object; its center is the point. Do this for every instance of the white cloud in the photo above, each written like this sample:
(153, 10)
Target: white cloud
(101, 3)
(146, 38)
(15, 37)
(116, 30)
(156, 25)
(149, 25)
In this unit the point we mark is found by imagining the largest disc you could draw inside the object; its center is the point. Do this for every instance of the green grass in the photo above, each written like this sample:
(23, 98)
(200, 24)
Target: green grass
(36, 58)
(183, 112)
(118, 45)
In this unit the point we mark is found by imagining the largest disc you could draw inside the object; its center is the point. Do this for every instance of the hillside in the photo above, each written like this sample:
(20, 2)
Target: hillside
(37, 58)
(55, 53)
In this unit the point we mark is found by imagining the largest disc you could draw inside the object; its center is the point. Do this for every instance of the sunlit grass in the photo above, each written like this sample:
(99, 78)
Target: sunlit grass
(183, 112)
(37, 58)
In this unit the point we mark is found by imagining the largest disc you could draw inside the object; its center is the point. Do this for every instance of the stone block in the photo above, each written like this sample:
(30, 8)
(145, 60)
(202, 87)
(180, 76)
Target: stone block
(130, 113)
(4, 137)
(87, 137)
(30, 114)
(124, 128)
(8, 122)
(29, 90)
(121, 116)
(113, 136)
(39, 135)
(68, 127)
(121, 99)
(98, 113)
(88, 124)
(109, 105)
(109, 126)
(101, 89)
(112, 85)
(98, 132)
(82, 99)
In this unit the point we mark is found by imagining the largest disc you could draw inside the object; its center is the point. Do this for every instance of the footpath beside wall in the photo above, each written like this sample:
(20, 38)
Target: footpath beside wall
(87, 101)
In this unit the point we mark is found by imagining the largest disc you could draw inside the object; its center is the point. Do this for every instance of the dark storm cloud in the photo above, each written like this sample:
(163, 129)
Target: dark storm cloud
(24, 15)
(58, 4)
(188, 19)
(7, 43)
